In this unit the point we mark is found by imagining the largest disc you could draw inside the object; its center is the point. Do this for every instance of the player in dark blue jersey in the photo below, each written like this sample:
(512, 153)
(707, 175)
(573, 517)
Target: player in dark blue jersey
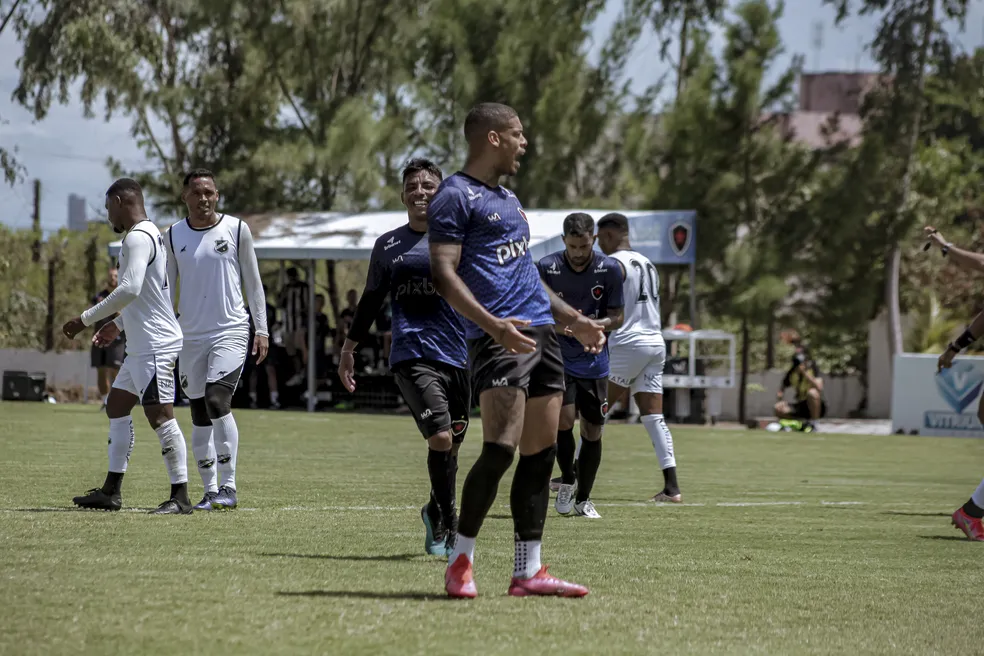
(428, 356)
(479, 239)
(592, 284)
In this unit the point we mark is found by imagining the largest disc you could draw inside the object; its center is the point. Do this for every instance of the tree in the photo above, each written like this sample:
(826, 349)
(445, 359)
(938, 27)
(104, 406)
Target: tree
(12, 171)
(908, 37)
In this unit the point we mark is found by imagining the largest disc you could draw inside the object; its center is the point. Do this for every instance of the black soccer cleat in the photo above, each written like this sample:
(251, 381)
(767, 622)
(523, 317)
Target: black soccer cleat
(173, 507)
(96, 499)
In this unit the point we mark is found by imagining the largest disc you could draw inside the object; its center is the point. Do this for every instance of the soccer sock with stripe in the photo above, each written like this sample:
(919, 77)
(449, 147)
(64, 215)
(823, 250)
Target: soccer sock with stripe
(120, 448)
(225, 434)
(204, 449)
(175, 453)
(528, 500)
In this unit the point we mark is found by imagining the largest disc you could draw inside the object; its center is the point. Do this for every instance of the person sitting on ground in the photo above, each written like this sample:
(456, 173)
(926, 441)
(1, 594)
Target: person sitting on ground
(804, 377)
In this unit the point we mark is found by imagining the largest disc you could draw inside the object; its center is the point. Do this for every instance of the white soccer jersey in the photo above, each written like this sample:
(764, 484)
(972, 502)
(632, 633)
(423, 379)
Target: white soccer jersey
(640, 291)
(142, 297)
(212, 265)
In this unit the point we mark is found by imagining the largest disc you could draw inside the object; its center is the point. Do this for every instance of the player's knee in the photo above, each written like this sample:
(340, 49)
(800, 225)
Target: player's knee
(495, 458)
(813, 393)
(779, 408)
(441, 441)
(590, 432)
(158, 414)
(199, 412)
(218, 400)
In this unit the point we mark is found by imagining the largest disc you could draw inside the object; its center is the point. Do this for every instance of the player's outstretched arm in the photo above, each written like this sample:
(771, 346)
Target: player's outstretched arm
(250, 272)
(585, 330)
(136, 254)
(172, 271)
(969, 336)
(962, 258)
(370, 303)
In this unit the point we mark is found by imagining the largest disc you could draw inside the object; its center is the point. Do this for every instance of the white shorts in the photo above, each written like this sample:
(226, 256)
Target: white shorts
(638, 368)
(148, 377)
(215, 359)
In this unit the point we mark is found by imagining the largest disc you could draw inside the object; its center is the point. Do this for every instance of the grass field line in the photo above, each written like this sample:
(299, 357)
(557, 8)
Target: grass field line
(636, 504)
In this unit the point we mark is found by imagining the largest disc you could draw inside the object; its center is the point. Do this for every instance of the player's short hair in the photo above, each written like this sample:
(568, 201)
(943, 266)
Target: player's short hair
(125, 187)
(578, 224)
(418, 164)
(194, 174)
(321, 296)
(615, 221)
(292, 273)
(485, 117)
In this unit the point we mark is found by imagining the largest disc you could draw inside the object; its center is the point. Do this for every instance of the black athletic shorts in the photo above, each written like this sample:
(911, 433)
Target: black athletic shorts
(540, 373)
(438, 394)
(589, 396)
(111, 356)
(801, 410)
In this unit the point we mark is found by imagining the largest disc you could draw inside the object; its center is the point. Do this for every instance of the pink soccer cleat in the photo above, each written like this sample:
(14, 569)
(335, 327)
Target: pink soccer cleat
(459, 580)
(544, 585)
(971, 526)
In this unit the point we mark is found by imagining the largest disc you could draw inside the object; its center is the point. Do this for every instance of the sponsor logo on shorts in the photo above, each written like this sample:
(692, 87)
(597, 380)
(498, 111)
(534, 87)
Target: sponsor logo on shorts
(426, 413)
(500, 382)
(619, 380)
(184, 381)
(221, 246)
(459, 427)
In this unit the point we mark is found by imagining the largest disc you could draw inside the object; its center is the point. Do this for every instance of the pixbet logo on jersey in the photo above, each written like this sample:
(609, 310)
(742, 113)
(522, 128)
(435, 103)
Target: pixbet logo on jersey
(512, 250)
(960, 386)
(416, 287)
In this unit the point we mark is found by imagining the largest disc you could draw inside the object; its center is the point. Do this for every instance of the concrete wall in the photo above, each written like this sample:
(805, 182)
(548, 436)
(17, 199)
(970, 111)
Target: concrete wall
(62, 369)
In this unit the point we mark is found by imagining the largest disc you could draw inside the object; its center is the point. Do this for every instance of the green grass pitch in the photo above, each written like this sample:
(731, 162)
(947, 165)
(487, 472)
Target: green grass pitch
(818, 544)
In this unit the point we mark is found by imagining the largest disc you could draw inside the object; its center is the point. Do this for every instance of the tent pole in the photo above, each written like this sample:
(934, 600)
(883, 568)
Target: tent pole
(694, 321)
(311, 383)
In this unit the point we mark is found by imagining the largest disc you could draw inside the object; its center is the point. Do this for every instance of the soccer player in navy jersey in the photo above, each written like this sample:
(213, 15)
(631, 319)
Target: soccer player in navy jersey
(479, 240)
(428, 356)
(592, 284)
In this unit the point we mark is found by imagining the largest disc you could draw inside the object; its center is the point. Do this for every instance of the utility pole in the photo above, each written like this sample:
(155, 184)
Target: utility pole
(36, 256)
(49, 320)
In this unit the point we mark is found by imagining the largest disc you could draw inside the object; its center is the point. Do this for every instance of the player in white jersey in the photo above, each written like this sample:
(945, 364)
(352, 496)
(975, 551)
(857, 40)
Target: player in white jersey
(637, 350)
(210, 260)
(153, 340)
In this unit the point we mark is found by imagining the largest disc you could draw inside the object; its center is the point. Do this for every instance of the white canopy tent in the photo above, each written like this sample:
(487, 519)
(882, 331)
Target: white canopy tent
(664, 237)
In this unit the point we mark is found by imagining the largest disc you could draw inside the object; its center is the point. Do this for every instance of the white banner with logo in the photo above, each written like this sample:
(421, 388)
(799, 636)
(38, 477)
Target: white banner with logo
(945, 404)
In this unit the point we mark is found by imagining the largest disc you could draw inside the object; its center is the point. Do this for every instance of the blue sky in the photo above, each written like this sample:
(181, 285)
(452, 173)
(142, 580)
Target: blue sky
(67, 151)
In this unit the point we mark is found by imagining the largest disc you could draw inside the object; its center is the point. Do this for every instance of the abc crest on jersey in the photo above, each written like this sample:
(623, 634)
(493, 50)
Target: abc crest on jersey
(221, 246)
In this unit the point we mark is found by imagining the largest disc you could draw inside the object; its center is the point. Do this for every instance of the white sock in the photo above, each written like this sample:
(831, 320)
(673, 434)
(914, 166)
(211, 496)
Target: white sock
(226, 435)
(527, 562)
(978, 496)
(175, 451)
(204, 449)
(273, 397)
(662, 441)
(465, 546)
(120, 443)
(105, 398)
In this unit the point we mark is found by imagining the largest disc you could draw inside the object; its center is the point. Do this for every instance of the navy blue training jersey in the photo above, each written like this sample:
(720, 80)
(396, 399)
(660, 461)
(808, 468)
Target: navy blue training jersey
(424, 326)
(593, 292)
(494, 234)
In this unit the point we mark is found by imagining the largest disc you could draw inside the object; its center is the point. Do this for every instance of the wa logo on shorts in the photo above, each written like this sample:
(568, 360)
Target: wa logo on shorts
(960, 386)
(221, 246)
